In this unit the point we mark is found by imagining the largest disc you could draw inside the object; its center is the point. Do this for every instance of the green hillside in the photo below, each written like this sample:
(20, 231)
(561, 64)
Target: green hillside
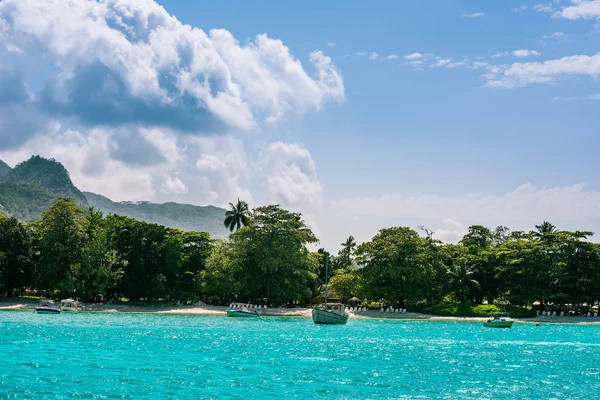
(4, 169)
(47, 173)
(33, 185)
(182, 216)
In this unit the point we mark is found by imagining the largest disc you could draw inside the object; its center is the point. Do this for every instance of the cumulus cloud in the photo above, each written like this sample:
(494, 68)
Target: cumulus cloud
(392, 56)
(519, 9)
(291, 175)
(221, 163)
(440, 62)
(414, 56)
(581, 9)
(523, 74)
(525, 53)
(120, 62)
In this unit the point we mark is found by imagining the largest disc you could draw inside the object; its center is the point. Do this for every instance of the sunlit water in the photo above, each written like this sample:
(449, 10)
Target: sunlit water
(89, 355)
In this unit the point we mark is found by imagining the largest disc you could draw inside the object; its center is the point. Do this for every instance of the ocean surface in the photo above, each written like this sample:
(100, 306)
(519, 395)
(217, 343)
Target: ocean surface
(135, 356)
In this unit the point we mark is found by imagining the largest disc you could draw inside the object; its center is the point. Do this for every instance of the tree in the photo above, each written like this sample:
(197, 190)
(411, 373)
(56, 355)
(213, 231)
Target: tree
(219, 276)
(16, 264)
(347, 250)
(61, 231)
(544, 228)
(346, 283)
(397, 266)
(461, 281)
(271, 258)
(236, 216)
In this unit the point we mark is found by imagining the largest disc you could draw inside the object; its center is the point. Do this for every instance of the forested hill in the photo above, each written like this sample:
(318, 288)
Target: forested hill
(33, 185)
(182, 216)
(4, 169)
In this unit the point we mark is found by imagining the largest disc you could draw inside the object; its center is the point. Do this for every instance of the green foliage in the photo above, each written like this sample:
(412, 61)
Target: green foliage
(33, 185)
(399, 265)
(269, 259)
(49, 174)
(236, 216)
(447, 309)
(4, 169)
(180, 216)
(16, 259)
(346, 283)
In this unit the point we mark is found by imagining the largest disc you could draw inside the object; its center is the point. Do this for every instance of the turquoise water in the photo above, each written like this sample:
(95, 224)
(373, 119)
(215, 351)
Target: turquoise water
(90, 355)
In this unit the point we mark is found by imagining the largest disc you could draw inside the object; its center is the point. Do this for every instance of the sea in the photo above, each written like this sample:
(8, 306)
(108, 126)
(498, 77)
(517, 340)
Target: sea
(159, 356)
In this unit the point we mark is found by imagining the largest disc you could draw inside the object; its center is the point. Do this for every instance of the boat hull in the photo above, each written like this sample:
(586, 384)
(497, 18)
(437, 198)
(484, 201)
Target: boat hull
(47, 310)
(69, 309)
(498, 324)
(242, 314)
(328, 318)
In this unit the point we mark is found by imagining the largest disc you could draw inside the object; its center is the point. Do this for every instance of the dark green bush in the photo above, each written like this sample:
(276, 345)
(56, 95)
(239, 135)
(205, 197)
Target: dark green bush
(448, 309)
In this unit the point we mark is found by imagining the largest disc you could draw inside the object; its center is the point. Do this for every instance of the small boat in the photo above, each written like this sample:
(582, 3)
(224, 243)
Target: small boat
(46, 309)
(499, 320)
(241, 310)
(69, 305)
(329, 314)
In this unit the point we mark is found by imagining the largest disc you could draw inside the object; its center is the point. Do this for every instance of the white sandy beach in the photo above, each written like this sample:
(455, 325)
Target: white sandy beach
(27, 304)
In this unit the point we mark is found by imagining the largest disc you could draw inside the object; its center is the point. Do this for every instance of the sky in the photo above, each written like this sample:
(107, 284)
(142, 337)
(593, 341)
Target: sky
(359, 115)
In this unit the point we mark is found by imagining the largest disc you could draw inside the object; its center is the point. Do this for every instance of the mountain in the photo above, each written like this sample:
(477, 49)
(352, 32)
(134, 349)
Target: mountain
(181, 216)
(4, 169)
(33, 185)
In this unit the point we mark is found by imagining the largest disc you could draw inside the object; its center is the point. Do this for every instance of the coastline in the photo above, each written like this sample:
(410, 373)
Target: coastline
(23, 304)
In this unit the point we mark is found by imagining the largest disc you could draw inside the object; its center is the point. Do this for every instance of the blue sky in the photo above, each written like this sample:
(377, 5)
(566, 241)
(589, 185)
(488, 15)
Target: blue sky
(443, 113)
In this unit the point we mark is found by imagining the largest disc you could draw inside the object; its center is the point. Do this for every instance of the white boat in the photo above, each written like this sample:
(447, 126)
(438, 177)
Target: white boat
(46, 309)
(69, 305)
(241, 310)
(499, 320)
(329, 314)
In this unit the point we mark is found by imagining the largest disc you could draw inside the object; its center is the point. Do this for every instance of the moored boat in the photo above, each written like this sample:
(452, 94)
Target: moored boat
(69, 305)
(46, 309)
(499, 320)
(332, 314)
(241, 310)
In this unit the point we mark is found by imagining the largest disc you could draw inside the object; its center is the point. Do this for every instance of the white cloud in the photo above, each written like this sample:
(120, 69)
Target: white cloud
(291, 175)
(331, 44)
(581, 9)
(525, 53)
(449, 231)
(544, 7)
(392, 56)
(138, 64)
(473, 15)
(360, 53)
(523, 74)
(440, 62)
(593, 97)
(373, 56)
(502, 54)
(555, 35)
(526, 204)
(414, 56)
(519, 9)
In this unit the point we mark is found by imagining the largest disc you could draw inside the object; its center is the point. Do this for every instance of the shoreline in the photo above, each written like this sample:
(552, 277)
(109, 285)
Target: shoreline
(22, 305)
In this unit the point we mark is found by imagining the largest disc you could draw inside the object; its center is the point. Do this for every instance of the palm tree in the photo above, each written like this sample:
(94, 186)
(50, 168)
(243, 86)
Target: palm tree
(348, 248)
(237, 216)
(543, 229)
(461, 281)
